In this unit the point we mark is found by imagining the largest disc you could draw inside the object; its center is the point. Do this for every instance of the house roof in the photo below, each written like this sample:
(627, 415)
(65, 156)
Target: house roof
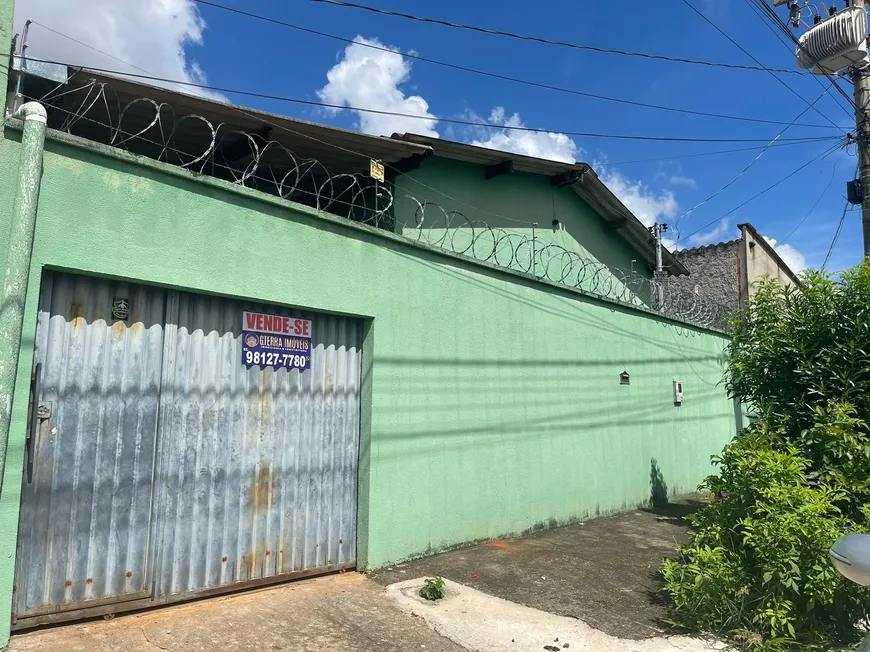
(746, 227)
(579, 176)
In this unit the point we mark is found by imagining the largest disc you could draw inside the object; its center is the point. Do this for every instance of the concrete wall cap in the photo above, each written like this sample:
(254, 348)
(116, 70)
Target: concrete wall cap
(32, 111)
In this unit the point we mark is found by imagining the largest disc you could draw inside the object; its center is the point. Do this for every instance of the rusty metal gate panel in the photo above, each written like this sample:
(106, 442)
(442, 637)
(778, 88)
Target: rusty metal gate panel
(257, 467)
(86, 496)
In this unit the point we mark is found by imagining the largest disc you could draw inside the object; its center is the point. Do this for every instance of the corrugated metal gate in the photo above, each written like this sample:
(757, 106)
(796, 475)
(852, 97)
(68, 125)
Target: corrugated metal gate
(160, 468)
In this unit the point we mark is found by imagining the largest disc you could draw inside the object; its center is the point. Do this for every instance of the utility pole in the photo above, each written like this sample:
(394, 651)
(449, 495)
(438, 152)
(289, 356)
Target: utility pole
(836, 44)
(657, 229)
(861, 81)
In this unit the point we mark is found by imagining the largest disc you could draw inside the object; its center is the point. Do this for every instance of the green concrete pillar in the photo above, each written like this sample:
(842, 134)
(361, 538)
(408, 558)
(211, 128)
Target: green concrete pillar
(17, 269)
(7, 11)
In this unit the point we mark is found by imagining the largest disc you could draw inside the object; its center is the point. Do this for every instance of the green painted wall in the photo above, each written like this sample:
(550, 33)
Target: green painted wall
(511, 202)
(494, 406)
(10, 146)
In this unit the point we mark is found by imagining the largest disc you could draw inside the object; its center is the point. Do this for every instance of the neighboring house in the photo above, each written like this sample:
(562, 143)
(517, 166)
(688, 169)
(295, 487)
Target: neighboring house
(248, 362)
(727, 273)
(570, 205)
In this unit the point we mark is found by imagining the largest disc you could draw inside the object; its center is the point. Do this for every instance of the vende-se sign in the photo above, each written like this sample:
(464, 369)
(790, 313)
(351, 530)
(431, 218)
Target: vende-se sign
(259, 322)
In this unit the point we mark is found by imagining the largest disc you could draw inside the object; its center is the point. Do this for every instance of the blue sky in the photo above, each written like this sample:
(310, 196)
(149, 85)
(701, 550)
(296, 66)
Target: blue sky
(191, 41)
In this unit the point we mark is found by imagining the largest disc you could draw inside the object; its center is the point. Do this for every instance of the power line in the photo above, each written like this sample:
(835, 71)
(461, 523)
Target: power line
(427, 118)
(813, 207)
(459, 201)
(238, 109)
(774, 23)
(765, 18)
(836, 235)
(715, 153)
(767, 189)
(746, 52)
(322, 142)
(538, 39)
(89, 46)
(748, 166)
(153, 77)
(769, 16)
(282, 127)
(494, 75)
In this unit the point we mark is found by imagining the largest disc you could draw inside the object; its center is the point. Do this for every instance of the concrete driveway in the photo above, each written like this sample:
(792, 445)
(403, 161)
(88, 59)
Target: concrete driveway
(339, 612)
(591, 585)
(604, 572)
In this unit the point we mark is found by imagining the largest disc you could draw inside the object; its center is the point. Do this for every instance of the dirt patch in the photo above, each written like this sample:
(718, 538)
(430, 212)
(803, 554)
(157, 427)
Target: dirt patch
(604, 571)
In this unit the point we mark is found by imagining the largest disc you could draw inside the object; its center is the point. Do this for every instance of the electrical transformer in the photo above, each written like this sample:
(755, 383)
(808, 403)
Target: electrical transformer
(836, 43)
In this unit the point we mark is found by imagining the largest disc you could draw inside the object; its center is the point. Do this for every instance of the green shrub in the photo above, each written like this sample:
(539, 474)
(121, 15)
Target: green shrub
(794, 350)
(756, 569)
(433, 589)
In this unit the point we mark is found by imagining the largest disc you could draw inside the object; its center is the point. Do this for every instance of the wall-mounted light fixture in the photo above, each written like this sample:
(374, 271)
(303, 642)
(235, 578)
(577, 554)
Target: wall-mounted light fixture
(624, 378)
(556, 225)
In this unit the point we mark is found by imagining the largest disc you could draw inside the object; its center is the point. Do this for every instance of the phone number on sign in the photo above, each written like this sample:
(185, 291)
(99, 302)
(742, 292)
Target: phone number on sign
(274, 359)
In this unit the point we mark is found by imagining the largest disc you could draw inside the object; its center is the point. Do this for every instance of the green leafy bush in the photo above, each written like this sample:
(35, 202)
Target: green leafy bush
(756, 567)
(794, 350)
(433, 589)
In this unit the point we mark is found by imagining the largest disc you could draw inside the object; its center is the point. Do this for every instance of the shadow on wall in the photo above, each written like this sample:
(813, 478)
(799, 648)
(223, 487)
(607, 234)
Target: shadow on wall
(658, 488)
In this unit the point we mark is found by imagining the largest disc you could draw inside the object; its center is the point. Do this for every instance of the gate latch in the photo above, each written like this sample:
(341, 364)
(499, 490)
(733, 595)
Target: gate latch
(43, 411)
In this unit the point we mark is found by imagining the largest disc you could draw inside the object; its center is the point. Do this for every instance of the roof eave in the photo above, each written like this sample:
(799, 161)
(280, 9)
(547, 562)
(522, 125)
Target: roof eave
(587, 185)
(595, 193)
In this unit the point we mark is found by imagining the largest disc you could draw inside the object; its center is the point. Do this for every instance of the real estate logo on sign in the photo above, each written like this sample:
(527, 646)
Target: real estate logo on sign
(121, 308)
(275, 341)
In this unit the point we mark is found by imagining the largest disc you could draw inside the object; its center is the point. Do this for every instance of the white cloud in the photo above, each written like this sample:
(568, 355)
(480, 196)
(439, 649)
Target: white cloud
(370, 78)
(548, 145)
(647, 205)
(715, 235)
(791, 256)
(149, 35)
(677, 180)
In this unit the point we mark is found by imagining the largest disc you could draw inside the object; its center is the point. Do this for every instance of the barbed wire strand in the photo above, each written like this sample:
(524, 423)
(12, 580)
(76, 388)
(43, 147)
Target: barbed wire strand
(523, 222)
(511, 250)
(349, 151)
